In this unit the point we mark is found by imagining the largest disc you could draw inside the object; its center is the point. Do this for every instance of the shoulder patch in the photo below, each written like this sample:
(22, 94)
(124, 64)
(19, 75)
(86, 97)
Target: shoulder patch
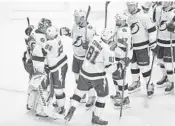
(42, 39)
(124, 30)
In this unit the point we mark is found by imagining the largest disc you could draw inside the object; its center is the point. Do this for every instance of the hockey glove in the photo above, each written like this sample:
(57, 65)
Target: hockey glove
(65, 31)
(170, 27)
(113, 46)
(153, 48)
(85, 45)
(125, 61)
(29, 30)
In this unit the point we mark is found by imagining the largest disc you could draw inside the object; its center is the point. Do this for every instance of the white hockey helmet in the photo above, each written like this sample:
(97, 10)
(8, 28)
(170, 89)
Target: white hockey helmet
(132, 6)
(132, 3)
(120, 19)
(52, 32)
(107, 35)
(79, 16)
(167, 4)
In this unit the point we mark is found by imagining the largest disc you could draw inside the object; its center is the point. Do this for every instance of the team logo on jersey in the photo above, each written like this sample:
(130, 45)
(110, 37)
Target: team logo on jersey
(124, 30)
(162, 26)
(78, 42)
(134, 28)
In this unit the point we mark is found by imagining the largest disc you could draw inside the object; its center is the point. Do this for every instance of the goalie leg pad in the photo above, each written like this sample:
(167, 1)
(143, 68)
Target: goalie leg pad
(31, 100)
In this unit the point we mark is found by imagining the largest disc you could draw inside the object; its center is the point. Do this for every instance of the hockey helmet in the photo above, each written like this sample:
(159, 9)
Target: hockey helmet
(79, 16)
(107, 35)
(52, 32)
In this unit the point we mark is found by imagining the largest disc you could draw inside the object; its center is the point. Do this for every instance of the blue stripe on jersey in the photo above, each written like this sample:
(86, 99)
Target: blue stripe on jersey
(140, 44)
(59, 63)
(153, 29)
(37, 58)
(93, 74)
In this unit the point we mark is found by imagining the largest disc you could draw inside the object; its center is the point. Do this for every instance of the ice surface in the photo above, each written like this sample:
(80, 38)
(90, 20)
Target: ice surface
(158, 111)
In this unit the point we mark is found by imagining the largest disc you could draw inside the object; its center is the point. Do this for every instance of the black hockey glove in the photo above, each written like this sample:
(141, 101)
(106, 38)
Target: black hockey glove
(125, 61)
(65, 31)
(46, 68)
(170, 27)
(29, 29)
(85, 45)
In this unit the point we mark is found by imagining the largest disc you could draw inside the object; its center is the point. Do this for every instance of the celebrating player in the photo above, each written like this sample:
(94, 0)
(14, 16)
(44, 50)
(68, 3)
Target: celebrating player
(143, 36)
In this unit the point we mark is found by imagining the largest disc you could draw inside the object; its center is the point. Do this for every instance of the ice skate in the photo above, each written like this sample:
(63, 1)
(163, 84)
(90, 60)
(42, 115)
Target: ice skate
(62, 110)
(115, 97)
(70, 113)
(52, 115)
(126, 103)
(97, 121)
(90, 102)
(163, 82)
(170, 88)
(134, 87)
(83, 99)
(150, 90)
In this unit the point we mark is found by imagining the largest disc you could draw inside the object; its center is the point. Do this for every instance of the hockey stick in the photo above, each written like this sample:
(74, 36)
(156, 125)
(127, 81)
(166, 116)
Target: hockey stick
(106, 12)
(28, 21)
(124, 81)
(172, 56)
(87, 15)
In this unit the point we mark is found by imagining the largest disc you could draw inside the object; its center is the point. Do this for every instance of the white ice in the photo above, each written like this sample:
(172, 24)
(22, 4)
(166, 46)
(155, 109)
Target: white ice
(158, 111)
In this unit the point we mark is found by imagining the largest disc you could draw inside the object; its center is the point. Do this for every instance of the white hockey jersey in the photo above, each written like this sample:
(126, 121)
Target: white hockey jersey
(38, 53)
(78, 36)
(151, 13)
(98, 57)
(122, 37)
(143, 30)
(163, 34)
(56, 57)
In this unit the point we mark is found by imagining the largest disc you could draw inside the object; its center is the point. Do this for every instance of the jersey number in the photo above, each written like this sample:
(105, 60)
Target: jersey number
(60, 50)
(92, 54)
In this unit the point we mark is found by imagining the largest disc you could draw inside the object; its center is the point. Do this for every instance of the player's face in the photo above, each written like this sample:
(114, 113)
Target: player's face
(77, 20)
(131, 8)
(166, 4)
(118, 22)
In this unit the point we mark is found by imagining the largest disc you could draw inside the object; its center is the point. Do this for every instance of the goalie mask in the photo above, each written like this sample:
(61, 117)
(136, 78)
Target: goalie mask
(107, 35)
(79, 16)
(120, 19)
(44, 24)
(52, 33)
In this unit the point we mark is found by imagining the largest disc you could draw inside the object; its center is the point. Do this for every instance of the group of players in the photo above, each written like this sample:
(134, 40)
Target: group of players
(143, 31)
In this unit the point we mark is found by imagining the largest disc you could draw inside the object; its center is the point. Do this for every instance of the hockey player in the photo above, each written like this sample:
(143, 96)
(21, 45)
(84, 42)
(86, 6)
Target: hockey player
(27, 58)
(143, 36)
(97, 59)
(165, 37)
(121, 40)
(38, 83)
(150, 9)
(80, 45)
(57, 64)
